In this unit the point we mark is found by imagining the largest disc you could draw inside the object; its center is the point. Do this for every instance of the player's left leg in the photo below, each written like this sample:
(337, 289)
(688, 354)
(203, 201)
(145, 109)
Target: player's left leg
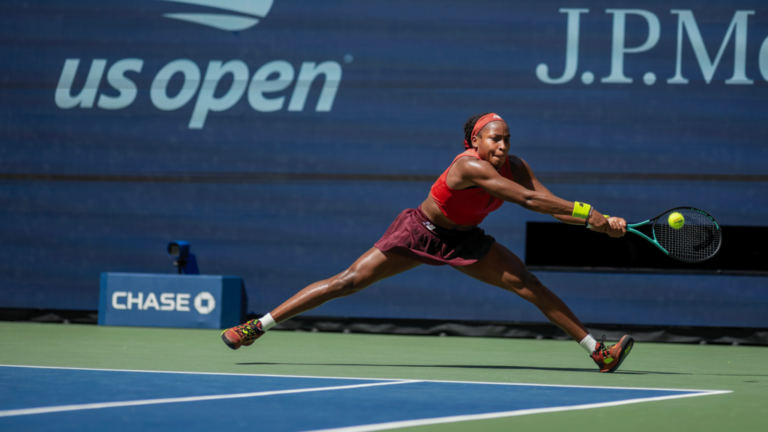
(371, 267)
(504, 269)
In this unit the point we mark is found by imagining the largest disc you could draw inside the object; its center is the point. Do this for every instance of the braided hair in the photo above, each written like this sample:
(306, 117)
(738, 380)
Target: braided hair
(469, 126)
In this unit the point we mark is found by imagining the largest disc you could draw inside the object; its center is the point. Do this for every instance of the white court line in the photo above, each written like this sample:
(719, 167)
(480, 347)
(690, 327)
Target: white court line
(470, 417)
(368, 379)
(62, 408)
(362, 428)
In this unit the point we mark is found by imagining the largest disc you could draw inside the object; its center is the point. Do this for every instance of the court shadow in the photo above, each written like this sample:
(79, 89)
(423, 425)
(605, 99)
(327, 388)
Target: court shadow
(549, 369)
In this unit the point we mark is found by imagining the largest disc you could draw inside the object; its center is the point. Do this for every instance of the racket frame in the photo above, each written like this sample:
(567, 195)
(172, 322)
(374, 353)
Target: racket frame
(631, 228)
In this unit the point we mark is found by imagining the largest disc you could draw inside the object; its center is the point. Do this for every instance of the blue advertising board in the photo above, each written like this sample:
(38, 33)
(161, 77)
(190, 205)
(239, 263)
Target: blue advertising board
(282, 137)
(161, 300)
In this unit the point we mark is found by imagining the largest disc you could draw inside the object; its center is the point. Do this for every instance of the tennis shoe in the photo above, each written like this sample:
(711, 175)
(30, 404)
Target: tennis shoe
(242, 335)
(609, 358)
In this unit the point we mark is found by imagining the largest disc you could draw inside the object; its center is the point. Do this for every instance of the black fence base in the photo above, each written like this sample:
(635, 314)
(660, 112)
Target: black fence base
(673, 334)
(50, 316)
(691, 335)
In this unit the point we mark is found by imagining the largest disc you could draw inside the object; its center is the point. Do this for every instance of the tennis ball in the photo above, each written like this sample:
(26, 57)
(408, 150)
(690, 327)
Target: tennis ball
(676, 220)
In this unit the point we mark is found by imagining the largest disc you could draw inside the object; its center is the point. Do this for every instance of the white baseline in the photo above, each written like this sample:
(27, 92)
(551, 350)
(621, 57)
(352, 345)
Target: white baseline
(365, 378)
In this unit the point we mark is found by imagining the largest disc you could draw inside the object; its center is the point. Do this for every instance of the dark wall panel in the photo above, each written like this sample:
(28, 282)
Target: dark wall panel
(287, 195)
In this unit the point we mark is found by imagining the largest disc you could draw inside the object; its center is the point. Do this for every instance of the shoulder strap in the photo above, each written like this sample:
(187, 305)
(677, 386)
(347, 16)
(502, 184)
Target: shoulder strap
(471, 152)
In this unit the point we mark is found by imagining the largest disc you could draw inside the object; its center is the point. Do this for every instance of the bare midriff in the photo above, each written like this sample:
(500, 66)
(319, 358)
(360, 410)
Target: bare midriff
(430, 208)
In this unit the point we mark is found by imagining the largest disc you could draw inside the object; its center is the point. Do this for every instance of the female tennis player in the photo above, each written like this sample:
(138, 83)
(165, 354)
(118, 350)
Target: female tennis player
(443, 230)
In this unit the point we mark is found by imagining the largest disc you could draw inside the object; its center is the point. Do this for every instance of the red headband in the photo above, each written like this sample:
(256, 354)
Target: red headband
(480, 124)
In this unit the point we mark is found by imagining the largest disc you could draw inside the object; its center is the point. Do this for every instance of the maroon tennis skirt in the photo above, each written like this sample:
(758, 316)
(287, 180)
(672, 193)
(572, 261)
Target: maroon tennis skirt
(412, 235)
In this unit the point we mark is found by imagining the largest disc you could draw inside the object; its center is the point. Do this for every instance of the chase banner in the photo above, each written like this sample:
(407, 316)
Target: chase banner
(281, 137)
(161, 300)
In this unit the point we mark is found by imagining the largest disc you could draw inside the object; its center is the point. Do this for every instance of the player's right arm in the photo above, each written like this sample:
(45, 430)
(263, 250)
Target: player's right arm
(474, 172)
(524, 176)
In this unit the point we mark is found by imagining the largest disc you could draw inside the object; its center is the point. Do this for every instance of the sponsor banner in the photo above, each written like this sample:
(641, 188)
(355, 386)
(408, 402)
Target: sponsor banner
(282, 137)
(161, 300)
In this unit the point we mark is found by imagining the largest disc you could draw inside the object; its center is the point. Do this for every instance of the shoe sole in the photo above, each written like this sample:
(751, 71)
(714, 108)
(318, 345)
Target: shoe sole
(230, 344)
(626, 347)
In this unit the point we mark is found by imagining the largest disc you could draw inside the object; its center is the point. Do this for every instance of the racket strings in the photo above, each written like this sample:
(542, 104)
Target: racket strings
(698, 239)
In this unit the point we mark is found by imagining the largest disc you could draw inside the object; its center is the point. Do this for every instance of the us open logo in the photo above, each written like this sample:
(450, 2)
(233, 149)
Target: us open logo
(276, 85)
(247, 11)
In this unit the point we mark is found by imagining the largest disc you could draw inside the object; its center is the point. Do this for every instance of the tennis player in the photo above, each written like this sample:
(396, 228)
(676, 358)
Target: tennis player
(444, 230)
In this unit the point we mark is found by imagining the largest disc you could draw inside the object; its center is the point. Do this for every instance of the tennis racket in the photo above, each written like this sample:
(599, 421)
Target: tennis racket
(698, 240)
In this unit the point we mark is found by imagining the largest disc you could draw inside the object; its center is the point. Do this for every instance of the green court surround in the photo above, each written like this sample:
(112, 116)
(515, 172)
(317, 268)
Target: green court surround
(744, 370)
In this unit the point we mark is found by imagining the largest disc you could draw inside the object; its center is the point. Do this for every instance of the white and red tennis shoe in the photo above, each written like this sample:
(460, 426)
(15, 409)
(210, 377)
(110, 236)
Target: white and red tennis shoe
(242, 335)
(609, 358)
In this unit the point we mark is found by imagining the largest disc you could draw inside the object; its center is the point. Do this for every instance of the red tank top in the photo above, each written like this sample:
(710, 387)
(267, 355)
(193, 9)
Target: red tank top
(467, 206)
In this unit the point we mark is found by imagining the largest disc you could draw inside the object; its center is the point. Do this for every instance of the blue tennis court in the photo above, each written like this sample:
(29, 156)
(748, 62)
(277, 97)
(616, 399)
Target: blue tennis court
(36, 398)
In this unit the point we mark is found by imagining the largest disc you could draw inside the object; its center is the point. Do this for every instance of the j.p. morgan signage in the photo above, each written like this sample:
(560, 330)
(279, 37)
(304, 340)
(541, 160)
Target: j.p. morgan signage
(687, 29)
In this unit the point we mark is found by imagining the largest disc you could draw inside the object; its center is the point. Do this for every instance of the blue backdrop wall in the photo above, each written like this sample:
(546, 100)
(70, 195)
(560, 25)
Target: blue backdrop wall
(282, 137)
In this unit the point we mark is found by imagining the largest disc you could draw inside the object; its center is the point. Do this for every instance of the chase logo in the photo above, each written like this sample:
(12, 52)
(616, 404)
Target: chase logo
(245, 17)
(205, 303)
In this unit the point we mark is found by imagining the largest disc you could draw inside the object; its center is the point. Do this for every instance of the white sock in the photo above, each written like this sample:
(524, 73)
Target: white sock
(267, 322)
(588, 343)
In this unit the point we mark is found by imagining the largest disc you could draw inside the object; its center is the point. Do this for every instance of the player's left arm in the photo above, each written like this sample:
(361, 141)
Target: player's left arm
(525, 177)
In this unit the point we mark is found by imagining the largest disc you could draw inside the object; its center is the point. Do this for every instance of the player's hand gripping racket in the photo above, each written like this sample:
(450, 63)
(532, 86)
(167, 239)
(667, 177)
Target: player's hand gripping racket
(683, 233)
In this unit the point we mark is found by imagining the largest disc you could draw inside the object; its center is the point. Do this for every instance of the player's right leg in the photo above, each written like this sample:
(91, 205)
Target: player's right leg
(502, 268)
(370, 268)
